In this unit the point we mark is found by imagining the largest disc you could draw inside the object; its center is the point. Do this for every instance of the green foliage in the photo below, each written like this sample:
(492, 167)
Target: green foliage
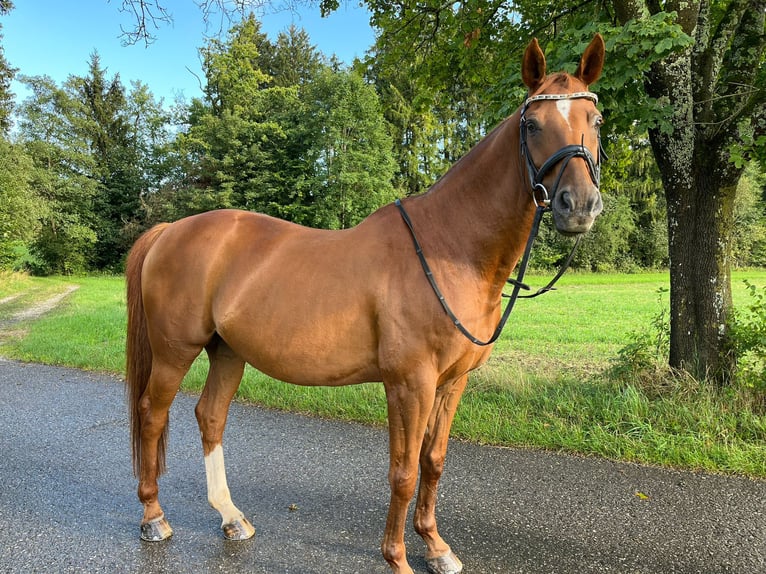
(432, 75)
(19, 207)
(7, 73)
(643, 360)
(292, 60)
(749, 233)
(93, 146)
(241, 146)
(350, 153)
(304, 142)
(412, 112)
(62, 162)
(631, 50)
(102, 121)
(748, 342)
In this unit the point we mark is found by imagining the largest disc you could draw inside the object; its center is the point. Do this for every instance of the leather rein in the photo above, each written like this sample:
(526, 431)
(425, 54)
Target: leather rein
(563, 156)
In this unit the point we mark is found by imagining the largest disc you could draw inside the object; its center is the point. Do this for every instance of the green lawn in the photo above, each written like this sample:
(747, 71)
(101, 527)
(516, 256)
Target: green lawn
(546, 385)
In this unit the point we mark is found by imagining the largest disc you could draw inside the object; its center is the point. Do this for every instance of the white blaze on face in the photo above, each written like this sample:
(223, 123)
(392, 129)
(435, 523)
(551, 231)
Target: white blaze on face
(563, 106)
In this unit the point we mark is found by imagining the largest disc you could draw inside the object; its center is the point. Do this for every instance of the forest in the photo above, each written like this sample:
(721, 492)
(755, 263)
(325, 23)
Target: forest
(283, 129)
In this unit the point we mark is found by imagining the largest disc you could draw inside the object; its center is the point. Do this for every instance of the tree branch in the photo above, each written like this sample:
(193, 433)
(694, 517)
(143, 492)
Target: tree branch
(630, 10)
(151, 15)
(145, 13)
(740, 77)
(711, 46)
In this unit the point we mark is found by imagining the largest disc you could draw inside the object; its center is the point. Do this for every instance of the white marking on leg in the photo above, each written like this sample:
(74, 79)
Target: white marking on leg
(217, 489)
(564, 106)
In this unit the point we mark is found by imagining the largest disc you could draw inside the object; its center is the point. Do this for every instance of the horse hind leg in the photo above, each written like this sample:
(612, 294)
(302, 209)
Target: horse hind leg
(153, 407)
(223, 379)
(439, 557)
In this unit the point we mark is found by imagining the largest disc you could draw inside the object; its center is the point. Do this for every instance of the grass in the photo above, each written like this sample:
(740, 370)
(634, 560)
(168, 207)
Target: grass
(86, 332)
(546, 385)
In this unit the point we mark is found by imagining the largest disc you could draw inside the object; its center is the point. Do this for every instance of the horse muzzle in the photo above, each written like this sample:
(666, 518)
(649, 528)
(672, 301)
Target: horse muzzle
(575, 211)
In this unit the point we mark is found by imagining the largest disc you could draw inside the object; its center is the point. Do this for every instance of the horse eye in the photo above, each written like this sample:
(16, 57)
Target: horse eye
(531, 126)
(599, 121)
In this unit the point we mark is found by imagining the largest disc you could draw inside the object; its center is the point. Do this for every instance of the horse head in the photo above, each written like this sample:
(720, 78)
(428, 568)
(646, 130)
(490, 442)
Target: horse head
(560, 123)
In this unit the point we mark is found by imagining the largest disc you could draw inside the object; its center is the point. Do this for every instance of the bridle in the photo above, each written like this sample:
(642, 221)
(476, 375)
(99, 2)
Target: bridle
(564, 155)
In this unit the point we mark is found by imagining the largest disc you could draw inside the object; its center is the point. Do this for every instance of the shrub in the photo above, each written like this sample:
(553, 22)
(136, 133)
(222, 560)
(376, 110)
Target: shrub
(645, 357)
(748, 340)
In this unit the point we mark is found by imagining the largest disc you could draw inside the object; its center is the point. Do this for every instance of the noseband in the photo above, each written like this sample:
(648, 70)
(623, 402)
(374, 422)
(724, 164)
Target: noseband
(564, 155)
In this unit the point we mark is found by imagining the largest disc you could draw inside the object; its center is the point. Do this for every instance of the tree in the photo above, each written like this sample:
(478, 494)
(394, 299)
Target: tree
(94, 148)
(409, 113)
(61, 164)
(234, 147)
(431, 90)
(307, 143)
(749, 246)
(352, 165)
(7, 74)
(101, 121)
(716, 88)
(292, 60)
(20, 208)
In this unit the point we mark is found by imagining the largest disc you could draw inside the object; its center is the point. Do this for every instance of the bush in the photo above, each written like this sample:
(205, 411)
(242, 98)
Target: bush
(644, 359)
(748, 340)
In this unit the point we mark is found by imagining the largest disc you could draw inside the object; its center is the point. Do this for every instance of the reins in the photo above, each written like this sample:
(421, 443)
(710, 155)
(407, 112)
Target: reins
(536, 176)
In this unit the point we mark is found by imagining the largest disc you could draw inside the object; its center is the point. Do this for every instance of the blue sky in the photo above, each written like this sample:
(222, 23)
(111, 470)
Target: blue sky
(56, 38)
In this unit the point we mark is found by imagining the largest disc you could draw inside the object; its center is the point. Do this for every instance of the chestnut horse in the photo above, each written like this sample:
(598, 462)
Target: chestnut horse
(318, 307)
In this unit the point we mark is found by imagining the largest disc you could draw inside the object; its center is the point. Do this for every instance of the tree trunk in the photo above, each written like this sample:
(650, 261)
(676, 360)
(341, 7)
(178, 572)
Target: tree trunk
(700, 217)
(700, 220)
(713, 88)
(699, 188)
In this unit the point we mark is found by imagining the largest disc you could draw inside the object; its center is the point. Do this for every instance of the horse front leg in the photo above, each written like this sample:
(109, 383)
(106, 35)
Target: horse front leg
(439, 557)
(409, 404)
(223, 379)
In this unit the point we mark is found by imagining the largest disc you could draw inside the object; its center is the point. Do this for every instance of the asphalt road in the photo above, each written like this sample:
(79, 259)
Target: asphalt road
(316, 492)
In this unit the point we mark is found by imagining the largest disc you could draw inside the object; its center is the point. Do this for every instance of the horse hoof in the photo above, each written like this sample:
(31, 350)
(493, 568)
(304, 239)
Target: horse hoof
(240, 529)
(156, 530)
(447, 564)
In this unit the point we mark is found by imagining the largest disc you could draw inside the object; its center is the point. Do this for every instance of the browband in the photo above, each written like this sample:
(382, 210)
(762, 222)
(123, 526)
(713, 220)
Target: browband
(589, 95)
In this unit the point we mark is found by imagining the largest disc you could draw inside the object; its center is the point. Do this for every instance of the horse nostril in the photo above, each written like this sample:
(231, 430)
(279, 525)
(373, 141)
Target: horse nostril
(566, 204)
(595, 205)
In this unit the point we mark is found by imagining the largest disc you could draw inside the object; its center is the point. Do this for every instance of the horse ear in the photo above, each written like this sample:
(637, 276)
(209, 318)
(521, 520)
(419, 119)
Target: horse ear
(533, 66)
(592, 61)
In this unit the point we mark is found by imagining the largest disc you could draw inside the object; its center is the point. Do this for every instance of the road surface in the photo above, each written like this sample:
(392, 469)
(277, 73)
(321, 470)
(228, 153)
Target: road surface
(317, 494)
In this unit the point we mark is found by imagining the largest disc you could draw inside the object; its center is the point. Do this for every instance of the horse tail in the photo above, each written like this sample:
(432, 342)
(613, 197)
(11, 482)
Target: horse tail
(138, 351)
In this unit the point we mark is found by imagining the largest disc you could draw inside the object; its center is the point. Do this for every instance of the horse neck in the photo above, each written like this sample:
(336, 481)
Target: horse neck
(480, 212)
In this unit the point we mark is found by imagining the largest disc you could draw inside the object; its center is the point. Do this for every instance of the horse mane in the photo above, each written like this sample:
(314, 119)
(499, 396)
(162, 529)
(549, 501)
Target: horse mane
(564, 83)
(484, 141)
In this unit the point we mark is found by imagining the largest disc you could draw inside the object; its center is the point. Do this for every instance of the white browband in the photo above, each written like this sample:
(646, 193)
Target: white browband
(589, 95)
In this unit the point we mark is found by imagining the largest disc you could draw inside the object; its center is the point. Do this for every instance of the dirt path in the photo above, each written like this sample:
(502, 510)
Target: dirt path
(8, 326)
